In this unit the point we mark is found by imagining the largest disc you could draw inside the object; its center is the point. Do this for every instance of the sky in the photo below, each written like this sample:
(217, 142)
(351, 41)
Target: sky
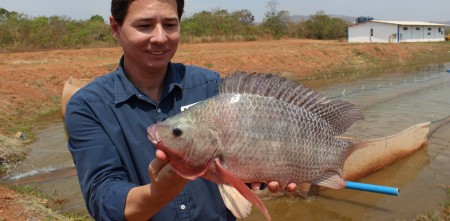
(400, 10)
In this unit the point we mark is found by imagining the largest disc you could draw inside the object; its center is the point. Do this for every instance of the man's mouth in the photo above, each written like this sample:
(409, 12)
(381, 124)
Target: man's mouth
(157, 52)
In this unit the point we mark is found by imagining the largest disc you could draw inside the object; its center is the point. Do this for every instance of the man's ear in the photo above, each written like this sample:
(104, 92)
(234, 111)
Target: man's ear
(115, 28)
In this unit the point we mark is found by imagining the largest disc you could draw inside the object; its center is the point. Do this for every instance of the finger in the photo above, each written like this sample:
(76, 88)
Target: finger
(161, 155)
(273, 186)
(256, 186)
(291, 187)
(155, 167)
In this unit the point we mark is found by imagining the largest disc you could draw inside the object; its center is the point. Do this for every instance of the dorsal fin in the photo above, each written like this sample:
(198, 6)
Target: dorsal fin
(339, 114)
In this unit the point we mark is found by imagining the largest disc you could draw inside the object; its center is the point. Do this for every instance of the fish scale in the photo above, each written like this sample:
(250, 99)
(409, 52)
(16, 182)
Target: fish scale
(259, 128)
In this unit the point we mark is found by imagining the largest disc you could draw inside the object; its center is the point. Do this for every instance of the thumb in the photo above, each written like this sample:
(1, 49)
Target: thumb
(161, 171)
(157, 164)
(155, 167)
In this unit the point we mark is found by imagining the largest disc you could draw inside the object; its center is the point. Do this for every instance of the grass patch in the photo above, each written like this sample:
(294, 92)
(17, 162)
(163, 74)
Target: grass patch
(44, 206)
(442, 214)
(11, 152)
(109, 66)
(209, 65)
(29, 190)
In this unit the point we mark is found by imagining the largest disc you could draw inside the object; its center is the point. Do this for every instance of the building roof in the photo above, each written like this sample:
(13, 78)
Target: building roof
(412, 23)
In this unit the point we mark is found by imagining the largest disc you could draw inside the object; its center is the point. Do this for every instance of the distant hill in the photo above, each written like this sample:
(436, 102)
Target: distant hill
(297, 18)
(442, 22)
(351, 19)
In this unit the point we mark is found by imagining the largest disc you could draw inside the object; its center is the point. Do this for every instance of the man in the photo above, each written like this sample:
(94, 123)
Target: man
(122, 176)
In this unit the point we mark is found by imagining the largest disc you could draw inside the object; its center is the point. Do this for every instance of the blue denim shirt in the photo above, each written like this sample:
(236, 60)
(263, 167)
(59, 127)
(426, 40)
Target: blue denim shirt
(106, 122)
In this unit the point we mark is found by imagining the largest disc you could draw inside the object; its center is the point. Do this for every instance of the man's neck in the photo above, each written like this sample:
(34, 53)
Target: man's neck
(150, 83)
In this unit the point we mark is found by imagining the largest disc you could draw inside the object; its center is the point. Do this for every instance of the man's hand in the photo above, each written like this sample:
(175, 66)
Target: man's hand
(145, 201)
(274, 186)
(164, 179)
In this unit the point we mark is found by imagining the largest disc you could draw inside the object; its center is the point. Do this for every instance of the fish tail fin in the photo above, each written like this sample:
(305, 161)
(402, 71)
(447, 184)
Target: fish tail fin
(355, 145)
(234, 201)
(241, 188)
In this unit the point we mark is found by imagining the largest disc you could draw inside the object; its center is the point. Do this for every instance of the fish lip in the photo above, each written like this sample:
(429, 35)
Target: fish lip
(153, 135)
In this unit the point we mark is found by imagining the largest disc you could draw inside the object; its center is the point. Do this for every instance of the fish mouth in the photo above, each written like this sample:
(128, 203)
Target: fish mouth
(153, 135)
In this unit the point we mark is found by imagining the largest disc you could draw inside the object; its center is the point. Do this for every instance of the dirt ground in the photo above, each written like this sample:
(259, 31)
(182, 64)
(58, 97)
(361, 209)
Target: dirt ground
(31, 82)
(10, 208)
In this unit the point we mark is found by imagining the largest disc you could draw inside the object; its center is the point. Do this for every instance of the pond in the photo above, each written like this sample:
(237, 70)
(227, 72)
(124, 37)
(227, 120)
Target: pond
(391, 102)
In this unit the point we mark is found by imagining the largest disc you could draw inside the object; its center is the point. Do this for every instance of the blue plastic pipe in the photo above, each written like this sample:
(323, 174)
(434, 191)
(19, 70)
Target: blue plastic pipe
(372, 188)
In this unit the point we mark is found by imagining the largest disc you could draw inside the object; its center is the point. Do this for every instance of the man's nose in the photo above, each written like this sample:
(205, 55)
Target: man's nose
(159, 35)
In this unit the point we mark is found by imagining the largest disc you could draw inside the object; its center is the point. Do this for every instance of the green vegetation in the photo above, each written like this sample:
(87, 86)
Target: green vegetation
(442, 215)
(47, 207)
(323, 27)
(10, 152)
(21, 32)
(27, 189)
(276, 22)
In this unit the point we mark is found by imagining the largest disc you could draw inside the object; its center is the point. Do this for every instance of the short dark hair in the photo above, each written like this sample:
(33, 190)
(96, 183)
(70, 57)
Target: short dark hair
(119, 9)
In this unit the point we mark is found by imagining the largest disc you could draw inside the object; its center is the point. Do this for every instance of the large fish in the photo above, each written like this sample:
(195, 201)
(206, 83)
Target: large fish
(259, 128)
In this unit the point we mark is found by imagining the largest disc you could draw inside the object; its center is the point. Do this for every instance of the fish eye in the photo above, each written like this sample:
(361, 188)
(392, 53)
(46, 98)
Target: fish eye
(177, 132)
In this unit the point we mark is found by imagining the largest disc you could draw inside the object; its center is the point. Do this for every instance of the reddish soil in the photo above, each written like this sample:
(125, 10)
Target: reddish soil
(31, 82)
(10, 208)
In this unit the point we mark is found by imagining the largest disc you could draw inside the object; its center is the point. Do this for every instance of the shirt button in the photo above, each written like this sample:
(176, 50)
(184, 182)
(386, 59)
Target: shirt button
(183, 207)
(158, 110)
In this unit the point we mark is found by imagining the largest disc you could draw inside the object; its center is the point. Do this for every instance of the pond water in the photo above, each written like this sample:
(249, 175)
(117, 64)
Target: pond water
(391, 102)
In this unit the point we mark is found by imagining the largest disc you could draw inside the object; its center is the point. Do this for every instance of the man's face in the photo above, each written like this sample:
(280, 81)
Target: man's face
(149, 35)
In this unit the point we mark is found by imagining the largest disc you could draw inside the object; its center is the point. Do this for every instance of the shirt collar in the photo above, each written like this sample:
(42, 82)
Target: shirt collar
(124, 89)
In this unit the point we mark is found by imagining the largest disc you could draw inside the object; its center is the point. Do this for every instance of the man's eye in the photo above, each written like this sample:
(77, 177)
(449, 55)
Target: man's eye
(171, 25)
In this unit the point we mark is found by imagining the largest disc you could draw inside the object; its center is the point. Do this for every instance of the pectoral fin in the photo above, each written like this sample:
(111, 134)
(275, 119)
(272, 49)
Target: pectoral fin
(235, 202)
(241, 188)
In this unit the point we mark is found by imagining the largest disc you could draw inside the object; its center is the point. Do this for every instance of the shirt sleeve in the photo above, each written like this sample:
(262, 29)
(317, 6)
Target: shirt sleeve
(103, 178)
(219, 80)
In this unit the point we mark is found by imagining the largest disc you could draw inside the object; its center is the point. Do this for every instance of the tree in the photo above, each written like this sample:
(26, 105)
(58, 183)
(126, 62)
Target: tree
(244, 16)
(97, 18)
(14, 28)
(97, 28)
(276, 22)
(219, 24)
(322, 26)
(199, 24)
(3, 15)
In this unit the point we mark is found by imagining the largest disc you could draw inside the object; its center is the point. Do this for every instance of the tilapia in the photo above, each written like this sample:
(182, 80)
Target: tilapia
(259, 128)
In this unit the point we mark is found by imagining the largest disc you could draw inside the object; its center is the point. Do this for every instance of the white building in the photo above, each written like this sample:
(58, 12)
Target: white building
(396, 31)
